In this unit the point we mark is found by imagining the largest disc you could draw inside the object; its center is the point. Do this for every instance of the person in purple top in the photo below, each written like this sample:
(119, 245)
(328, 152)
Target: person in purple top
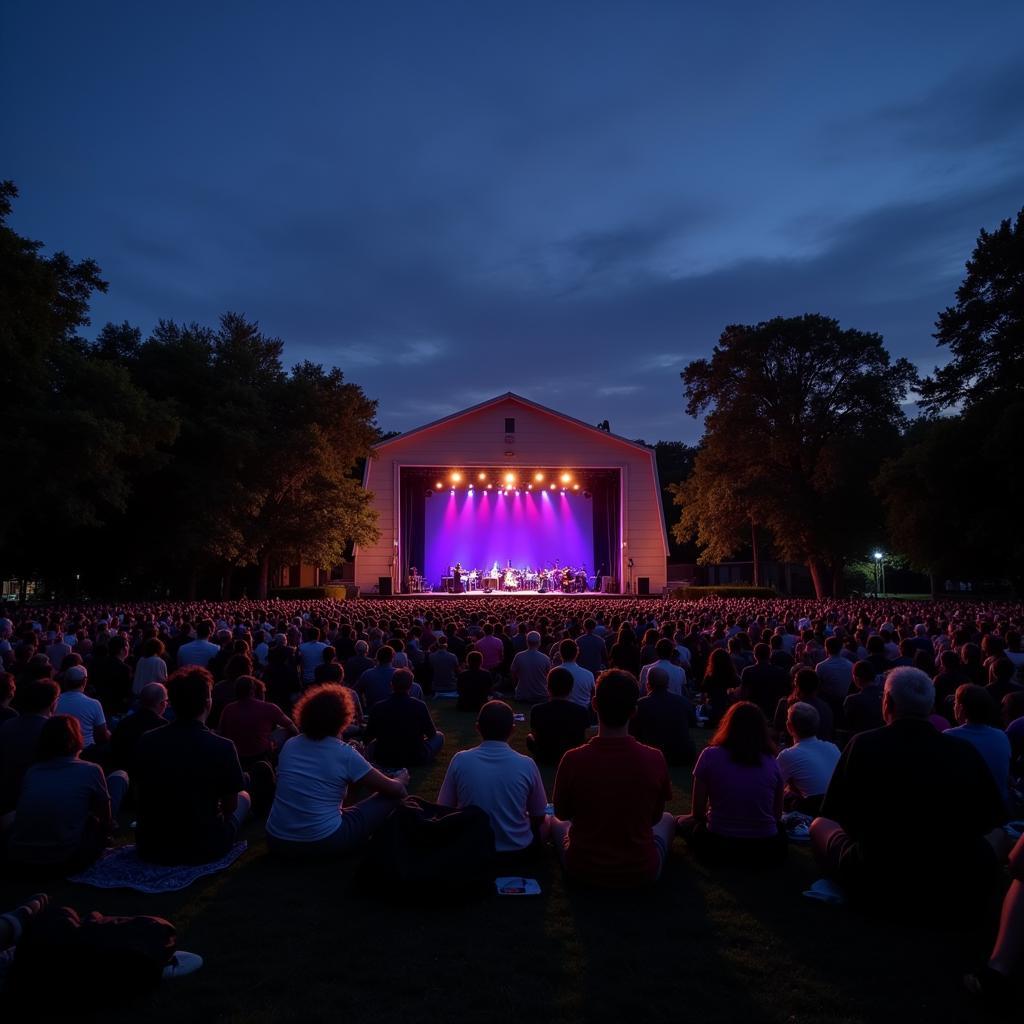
(737, 794)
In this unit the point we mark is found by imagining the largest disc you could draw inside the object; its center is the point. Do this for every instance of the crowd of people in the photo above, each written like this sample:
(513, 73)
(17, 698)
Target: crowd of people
(891, 732)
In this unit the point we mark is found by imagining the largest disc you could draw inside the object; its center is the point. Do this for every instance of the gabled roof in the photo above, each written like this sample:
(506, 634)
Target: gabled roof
(509, 395)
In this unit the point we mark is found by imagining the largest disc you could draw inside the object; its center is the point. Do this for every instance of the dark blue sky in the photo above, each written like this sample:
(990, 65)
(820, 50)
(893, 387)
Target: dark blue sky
(450, 200)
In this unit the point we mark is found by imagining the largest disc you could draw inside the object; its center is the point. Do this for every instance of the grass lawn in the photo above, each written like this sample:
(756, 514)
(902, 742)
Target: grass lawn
(306, 945)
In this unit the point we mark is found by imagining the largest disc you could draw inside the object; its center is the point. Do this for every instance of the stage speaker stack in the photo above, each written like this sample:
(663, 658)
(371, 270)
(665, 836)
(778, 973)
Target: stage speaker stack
(384, 586)
(643, 585)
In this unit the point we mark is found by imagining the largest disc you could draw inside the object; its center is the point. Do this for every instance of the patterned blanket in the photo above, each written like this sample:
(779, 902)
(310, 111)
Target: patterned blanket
(120, 868)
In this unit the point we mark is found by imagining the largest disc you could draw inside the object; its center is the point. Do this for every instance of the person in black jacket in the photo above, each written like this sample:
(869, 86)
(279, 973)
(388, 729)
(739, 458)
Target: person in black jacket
(558, 724)
(663, 720)
(400, 731)
(905, 818)
(474, 684)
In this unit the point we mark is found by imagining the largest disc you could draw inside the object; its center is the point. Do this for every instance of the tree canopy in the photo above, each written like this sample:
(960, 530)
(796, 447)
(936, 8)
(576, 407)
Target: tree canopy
(953, 496)
(191, 448)
(800, 413)
(984, 330)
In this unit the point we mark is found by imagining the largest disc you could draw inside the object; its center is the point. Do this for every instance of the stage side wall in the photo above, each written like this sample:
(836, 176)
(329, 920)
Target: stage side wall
(540, 440)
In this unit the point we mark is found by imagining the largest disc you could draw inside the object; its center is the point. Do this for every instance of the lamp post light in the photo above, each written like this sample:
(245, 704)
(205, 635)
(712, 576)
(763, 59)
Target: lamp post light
(879, 571)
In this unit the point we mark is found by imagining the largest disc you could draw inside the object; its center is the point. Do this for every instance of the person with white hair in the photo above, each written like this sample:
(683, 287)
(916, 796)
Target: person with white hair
(530, 671)
(906, 815)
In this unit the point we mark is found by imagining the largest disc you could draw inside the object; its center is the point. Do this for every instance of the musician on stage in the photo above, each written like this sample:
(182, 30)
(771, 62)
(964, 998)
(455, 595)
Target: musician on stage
(457, 578)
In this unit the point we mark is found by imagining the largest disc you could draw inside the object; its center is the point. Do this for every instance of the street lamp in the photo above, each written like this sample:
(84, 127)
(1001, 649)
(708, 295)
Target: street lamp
(879, 571)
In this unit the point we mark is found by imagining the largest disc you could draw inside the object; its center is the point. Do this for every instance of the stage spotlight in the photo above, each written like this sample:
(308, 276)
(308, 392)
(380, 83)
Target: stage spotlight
(552, 486)
(452, 492)
(490, 487)
(439, 485)
(529, 487)
(538, 477)
(456, 477)
(510, 478)
(566, 478)
(428, 493)
(575, 487)
(517, 492)
(481, 476)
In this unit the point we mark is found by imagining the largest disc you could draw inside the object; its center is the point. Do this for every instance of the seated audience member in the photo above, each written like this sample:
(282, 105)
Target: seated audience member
(199, 651)
(474, 684)
(503, 783)
(374, 685)
(358, 662)
(610, 794)
(909, 808)
(975, 714)
(19, 736)
(191, 797)
(329, 670)
(235, 667)
(862, 710)
(663, 718)
(951, 674)
(665, 650)
(149, 715)
(8, 688)
(311, 654)
(593, 654)
(88, 711)
(582, 679)
(309, 819)
(249, 722)
(762, 683)
(994, 981)
(530, 670)
(444, 667)
(1001, 673)
(737, 794)
(834, 673)
(110, 678)
(558, 724)
(151, 667)
(806, 683)
(399, 729)
(808, 764)
(283, 678)
(66, 807)
(719, 680)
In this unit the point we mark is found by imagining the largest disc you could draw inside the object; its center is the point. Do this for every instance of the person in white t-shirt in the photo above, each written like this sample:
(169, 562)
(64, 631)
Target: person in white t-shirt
(583, 684)
(503, 783)
(807, 766)
(200, 651)
(314, 771)
(89, 712)
(676, 673)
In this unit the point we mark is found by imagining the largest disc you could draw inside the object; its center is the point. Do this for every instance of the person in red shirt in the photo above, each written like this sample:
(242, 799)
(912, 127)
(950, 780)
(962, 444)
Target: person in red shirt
(249, 721)
(611, 827)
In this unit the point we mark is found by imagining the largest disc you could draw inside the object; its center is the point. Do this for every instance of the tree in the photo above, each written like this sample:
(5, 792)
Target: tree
(985, 329)
(78, 432)
(953, 497)
(799, 414)
(305, 502)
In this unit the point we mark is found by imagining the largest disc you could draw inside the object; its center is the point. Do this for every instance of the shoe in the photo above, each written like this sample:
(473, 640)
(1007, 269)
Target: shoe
(988, 984)
(182, 963)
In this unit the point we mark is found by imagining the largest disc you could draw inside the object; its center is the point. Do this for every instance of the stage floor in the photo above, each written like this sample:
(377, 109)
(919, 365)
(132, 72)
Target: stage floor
(471, 595)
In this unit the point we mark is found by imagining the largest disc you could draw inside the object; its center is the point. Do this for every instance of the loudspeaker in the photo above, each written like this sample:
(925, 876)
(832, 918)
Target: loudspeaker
(643, 584)
(384, 586)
